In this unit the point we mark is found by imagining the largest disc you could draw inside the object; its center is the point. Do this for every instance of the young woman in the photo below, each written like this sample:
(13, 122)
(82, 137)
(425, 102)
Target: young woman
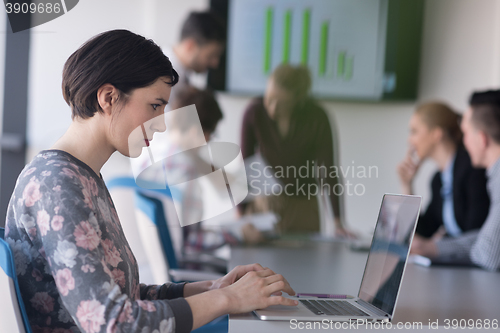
(292, 132)
(75, 268)
(459, 200)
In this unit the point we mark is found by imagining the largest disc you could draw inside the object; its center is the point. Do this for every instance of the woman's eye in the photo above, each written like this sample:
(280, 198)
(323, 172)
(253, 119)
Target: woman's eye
(155, 106)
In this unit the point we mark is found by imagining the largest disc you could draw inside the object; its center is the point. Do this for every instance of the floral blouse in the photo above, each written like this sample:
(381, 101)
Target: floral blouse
(75, 268)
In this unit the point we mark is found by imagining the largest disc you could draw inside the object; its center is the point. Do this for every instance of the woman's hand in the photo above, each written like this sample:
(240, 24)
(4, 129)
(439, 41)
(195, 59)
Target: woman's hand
(245, 288)
(258, 290)
(407, 170)
(234, 275)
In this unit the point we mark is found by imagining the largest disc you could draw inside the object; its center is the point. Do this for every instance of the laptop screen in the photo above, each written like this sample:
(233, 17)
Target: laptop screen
(389, 251)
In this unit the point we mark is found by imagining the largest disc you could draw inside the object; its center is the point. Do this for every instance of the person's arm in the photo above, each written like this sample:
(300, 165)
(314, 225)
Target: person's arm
(477, 201)
(96, 299)
(168, 290)
(456, 249)
(248, 138)
(485, 252)
(430, 221)
(325, 157)
(254, 290)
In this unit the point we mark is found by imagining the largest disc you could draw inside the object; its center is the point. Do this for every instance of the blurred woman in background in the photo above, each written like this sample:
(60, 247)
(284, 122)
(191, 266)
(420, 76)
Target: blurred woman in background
(291, 130)
(459, 199)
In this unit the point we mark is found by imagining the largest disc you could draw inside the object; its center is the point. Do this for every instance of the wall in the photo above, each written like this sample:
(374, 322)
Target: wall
(3, 25)
(460, 53)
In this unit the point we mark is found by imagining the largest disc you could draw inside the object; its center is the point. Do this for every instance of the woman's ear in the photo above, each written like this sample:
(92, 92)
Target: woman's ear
(437, 134)
(107, 97)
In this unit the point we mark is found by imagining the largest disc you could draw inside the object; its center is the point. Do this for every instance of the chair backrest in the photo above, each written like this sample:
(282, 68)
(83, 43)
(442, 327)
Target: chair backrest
(13, 317)
(153, 208)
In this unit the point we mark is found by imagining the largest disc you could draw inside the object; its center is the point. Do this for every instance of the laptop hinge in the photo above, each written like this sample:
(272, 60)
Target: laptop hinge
(372, 308)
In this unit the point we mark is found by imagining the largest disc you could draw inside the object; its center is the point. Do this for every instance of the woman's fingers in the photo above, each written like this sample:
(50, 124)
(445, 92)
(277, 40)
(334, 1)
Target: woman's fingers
(279, 285)
(280, 300)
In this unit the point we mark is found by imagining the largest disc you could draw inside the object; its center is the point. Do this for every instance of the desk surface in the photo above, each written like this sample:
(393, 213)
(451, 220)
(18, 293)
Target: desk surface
(427, 293)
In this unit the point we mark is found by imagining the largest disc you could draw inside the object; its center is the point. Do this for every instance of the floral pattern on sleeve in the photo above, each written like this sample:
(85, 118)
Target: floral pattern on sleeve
(75, 268)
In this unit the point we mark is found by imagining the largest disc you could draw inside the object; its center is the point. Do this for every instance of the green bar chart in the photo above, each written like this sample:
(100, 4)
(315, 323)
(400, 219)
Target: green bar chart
(341, 42)
(323, 51)
(306, 21)
(268, 39)
(287, 34)
(339, 64)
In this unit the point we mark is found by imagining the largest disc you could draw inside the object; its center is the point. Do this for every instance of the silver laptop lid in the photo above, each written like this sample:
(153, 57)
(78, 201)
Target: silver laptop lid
(389, 251)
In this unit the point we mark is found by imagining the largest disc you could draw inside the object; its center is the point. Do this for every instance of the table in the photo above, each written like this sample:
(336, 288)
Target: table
(428, 294)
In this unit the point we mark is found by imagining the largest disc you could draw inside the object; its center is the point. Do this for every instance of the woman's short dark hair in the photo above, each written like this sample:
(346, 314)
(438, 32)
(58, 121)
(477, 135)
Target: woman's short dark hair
(207, 107)
(119, 57)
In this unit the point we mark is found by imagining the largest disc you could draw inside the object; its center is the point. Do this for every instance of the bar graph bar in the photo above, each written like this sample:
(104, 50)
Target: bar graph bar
(344, 68)
(287, 35)
(341, 64)
(349, 67)
(306, 22)
(323, 48)
(268, 39)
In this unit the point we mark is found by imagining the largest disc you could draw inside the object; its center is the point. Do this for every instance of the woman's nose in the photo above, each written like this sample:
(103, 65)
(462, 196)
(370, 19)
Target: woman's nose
(158, 123)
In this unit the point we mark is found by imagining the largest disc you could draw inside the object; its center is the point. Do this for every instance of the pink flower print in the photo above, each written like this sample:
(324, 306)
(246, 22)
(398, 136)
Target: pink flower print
(42, 302)
(130, 255)
(90, 315)
(119, 277)
(111, 253)
(136, 290)
(111, 328)
(57, 189)
(37, 275)
(93, 186)
(85, 236)
(31, 193)
(64, 281)
(87, 197)
(45, 173)
(57, 222)
(42, 219)
(29, 172)
(126, 314)
(31, 232)
(106, 269)
(56, 208)
(68, 172)
(147, 305)
(88, 268)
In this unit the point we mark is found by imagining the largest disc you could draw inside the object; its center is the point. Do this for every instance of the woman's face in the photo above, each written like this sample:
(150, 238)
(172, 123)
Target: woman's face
(134, 123)
(277, 100)
(422, 139)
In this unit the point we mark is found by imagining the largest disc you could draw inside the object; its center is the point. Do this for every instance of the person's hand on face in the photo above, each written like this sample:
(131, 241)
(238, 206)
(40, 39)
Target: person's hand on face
(407, 170)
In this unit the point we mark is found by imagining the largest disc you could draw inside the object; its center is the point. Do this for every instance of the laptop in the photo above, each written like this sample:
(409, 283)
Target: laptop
(378, 293)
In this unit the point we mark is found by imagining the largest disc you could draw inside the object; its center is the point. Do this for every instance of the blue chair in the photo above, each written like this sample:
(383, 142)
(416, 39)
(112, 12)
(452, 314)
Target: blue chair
(152, 206)
(152, 209)
(158, 243)
(12, 312)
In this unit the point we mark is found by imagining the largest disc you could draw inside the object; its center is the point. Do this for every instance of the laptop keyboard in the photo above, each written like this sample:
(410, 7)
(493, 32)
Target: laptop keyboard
(332, 308)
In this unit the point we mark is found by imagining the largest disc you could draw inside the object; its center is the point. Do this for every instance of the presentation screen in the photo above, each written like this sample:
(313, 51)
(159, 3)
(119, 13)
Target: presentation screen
(343, 43)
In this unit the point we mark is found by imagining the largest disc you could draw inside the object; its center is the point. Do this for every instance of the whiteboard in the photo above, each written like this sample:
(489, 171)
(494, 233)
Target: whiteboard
(341, 41)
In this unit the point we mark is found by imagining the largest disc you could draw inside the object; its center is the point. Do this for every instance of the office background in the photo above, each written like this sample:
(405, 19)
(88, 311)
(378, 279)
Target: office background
(460, 53)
